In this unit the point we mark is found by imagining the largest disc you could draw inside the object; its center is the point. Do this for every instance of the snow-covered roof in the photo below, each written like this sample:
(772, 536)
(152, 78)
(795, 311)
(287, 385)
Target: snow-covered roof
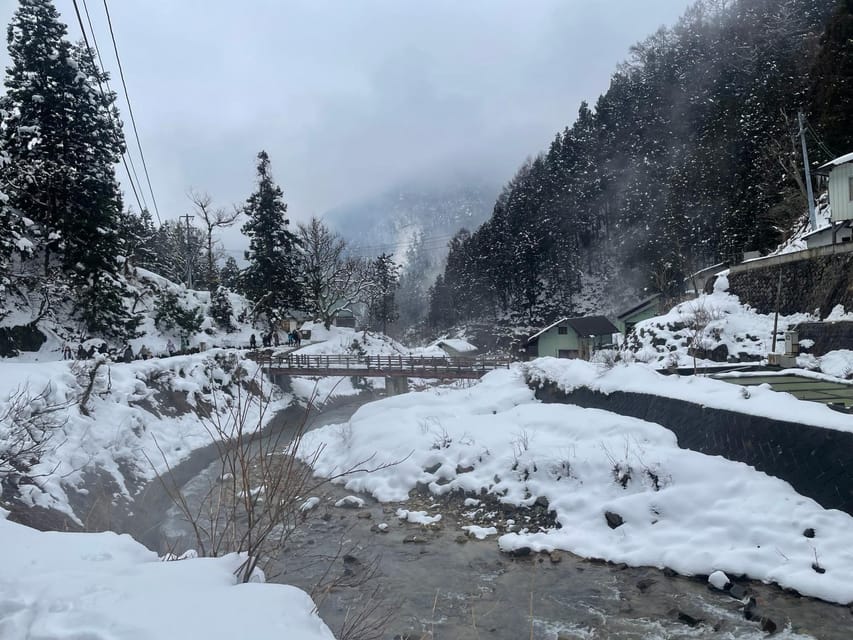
(457, 345)
(848, 157)
(826, 229)
(639, 305)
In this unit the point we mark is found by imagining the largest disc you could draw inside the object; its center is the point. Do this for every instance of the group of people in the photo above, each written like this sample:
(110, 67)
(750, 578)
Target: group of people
(127, 354)
(271, 339)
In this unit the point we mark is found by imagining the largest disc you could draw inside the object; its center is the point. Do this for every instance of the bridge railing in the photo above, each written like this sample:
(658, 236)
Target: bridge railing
(398, 363)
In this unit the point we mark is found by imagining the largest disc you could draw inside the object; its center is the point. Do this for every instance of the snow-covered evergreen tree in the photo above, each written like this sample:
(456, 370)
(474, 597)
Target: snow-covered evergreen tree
(229, 275)
(220, 308)
(63, 137)
(382, 309)
(272, 279)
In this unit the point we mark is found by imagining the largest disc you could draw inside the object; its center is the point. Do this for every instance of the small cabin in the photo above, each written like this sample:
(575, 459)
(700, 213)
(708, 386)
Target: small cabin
(455, 347)
(345, 318)
(572, 338)
(643, 310)
(840, 187)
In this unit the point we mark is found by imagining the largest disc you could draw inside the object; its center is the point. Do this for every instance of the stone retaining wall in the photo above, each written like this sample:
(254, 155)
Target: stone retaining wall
(813, 279)
(817, 462)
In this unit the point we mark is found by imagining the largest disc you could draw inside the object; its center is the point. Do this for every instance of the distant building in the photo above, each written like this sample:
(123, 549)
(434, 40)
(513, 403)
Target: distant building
(345, 318)
(572, 338)
(840, 187)
(456, 347)
(643, 310)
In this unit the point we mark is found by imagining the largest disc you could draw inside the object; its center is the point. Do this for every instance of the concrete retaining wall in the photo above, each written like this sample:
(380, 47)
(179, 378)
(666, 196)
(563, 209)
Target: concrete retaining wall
(817, 462)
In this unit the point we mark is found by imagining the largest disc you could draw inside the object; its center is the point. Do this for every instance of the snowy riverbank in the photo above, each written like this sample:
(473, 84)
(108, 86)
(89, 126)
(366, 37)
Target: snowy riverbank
(669, 507)
(68, 586)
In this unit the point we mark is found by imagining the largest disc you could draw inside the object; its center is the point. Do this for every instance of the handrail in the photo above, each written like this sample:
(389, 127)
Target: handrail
(397, 363)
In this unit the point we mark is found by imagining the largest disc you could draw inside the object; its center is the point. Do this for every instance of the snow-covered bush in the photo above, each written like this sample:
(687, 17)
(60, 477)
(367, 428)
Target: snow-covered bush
(171, 313)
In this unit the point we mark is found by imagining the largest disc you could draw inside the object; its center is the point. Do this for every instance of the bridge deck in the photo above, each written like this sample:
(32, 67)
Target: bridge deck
(292, 364)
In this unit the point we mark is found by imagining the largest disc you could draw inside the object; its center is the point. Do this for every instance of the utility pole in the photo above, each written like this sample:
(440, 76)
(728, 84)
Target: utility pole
(187, 218)
(812, 217)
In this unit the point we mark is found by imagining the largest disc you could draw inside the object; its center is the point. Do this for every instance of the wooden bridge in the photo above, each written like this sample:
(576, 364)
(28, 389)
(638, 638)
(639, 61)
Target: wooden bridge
(293, 364)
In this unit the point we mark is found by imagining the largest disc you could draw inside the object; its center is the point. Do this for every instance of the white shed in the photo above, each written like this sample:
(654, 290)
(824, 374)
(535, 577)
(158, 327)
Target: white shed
(840, 186)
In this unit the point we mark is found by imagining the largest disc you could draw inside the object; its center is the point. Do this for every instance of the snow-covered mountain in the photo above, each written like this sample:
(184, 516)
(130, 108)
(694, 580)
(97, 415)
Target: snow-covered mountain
(392, 221)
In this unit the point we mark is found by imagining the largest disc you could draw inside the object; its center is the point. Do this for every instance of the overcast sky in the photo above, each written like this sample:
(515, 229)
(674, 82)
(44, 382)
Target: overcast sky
(350, 97)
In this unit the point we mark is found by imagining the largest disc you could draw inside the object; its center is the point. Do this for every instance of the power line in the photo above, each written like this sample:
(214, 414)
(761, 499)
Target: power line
(820, 143)
(109, 88)
(103, 95)
(130, 109)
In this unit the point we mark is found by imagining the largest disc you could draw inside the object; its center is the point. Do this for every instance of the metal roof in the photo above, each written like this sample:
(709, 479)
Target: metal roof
(583, 326)
(848, 157)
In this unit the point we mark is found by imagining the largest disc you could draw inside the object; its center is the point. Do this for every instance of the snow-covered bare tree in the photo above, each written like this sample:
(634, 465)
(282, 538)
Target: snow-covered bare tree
(333, 280)
(213, 218)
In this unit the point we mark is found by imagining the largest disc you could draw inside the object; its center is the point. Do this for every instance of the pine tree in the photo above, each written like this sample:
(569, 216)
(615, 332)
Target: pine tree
(831, 93)
(229, 275)
(382, 309)
(63, 138)
(271, 280)
(138, 233)
(220, 308)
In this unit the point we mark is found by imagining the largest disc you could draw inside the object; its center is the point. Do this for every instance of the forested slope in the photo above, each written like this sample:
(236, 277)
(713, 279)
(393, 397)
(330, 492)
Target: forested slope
(690, 157)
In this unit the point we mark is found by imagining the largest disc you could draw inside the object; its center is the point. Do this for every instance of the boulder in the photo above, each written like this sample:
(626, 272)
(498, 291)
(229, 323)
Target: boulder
(614, 520)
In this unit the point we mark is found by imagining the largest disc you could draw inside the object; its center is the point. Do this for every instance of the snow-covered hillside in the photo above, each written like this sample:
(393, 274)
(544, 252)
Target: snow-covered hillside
(717, 327)
(130, 421)
(149, 296)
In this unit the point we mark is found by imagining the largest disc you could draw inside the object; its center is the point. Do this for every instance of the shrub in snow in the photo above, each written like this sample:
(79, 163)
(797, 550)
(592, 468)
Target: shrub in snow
(27, 424)
(171, 313)
(220, 309)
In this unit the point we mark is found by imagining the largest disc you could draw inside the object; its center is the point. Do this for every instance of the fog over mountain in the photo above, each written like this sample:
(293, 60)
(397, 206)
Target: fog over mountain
(348, 98)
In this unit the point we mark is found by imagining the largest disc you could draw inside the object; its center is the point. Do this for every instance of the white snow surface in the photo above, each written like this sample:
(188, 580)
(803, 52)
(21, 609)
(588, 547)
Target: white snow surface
(708, 392)
(838, 364)
(706, 513)
(131, 427)
(709, 321)
(418, 517)
(103, 586)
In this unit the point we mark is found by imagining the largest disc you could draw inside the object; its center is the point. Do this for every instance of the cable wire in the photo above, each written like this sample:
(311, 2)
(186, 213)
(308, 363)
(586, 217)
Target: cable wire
(130, 109)
(109, 88)
(820, 143)
(103, 95)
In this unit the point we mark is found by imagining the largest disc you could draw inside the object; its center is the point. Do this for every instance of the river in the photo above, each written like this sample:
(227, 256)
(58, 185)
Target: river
(435, 583)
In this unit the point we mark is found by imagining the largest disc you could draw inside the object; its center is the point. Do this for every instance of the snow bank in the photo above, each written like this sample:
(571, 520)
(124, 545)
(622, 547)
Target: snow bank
(141, 418)
(708, 392)
(710, 322)
(106, 586)
(694, 513)
(838, 364)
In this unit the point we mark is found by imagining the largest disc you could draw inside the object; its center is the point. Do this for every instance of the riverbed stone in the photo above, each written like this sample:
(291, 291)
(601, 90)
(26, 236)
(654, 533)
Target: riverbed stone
(645, 584)
(691, 619)
(556, 557)
(614, 520)
(413, 539)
